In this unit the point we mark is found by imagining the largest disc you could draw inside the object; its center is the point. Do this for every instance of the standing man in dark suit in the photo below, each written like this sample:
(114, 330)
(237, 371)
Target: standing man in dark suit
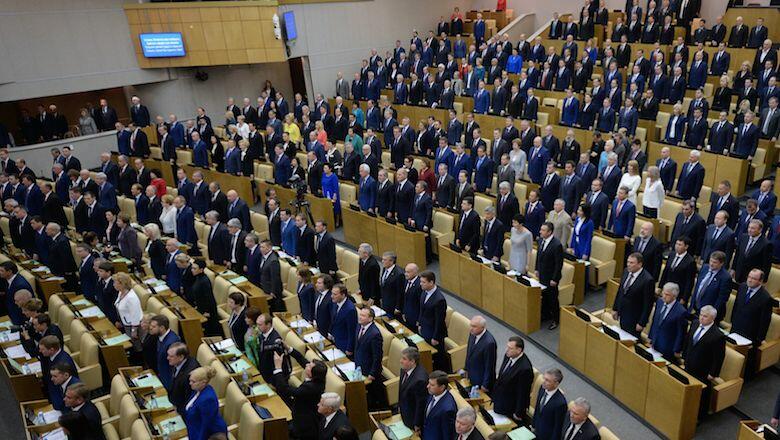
(303, 400)
(753, 251)
(325, 248)
(77, 401)
(752, 314)
(139, 113)
(368, 275)
(667, 169)
(650, 248)
(713, 286)
(412, 294)
(181, 365)
(635, 296)
(323, 312)
(551, 407)
(412, 390)
(579, 426)
(440, 409)
(467, 237)
(511, 393)
(691, 177)
(60, 256)
(368, 357)
(719, 237)
(270, 275)
(689, 223)
(391, 285)
(723, 200)
(332, 418)
(703, 351)
(433, 310)
(669, 323)
(549, 263)
(481, 350)
(680, 269)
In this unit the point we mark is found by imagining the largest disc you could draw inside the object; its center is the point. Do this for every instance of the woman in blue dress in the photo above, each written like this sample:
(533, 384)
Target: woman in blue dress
(582, 233)
(330, 189)
(201, 414)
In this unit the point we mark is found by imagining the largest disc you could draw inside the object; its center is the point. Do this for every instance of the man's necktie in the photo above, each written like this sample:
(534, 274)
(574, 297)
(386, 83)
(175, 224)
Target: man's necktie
(629, 281)
(698, 334)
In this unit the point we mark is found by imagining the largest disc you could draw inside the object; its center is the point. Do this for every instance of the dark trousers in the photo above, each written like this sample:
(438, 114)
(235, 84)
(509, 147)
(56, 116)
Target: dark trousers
(550, 306)
(650, 212)
(376, 394)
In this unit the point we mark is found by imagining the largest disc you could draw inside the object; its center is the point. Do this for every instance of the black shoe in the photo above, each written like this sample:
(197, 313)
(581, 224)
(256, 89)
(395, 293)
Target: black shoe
(553, 326)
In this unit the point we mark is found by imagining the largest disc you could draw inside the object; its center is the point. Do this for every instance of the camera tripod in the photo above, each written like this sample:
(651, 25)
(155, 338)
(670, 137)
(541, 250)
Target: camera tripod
(302, 206)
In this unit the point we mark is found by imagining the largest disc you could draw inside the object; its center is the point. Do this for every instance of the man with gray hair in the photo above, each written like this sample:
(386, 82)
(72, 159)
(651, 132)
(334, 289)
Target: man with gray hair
(492, 246)
(561, 221)
(106, 193)
(579, 425)
(704, 350)
(481, 351)
(332, 417)
(412, 392)
(391, 284)
(667, 330)
(465, 421)
(236, 250)
(219, 238)
(611, 175)
(367, 188)
(551, 406)
(368, 275)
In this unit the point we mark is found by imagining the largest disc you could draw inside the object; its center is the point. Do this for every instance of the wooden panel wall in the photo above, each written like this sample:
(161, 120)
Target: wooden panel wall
(219, 33)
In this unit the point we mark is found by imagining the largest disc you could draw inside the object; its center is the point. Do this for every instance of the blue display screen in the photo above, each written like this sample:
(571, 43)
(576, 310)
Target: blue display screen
(162, 45)
(289, 25)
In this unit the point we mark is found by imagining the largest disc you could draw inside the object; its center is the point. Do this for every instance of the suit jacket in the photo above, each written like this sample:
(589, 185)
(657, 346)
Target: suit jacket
(303, 403)
(667, 332)
(751, 317)
(164, 372)
(413, 396)
(326, 254)
(588, 431)
(690, 181)
(391, 288)
(270, 275)
(704, 357)
(238, 328)
(511, 393)
(323, 313)
(694, 230)
(548, 419)
(724, 243)
(714, 293)
(683, 274)
(327, 432)
(481, 360)
(203, 417)
(368, 350)
(633, 303)
(549, 262)
(622, 223)
(180, 390)
(432, 313)
(240, 211)
(758, 257)
(440, 420)
(468, 231)
(61, 260)
(343, 326)
(652, 254)
(304, 246)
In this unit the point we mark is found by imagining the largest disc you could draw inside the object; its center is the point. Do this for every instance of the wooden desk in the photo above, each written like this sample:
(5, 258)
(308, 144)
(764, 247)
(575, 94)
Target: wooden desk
(114, 356)
(470, 273)
(522, 305)
(573, 343)
(190, 320)
(34, 407)
(408, 246)
(578, 280)
(386, 418)
(493, 292)
(747, 430)
(450, 279)
(631, 375)
(671, 406)
(26, 387)
(322, 209)
(600, 357)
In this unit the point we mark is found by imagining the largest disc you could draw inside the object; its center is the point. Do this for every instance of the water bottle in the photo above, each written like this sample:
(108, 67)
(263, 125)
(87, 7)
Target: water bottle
(299, 330)
(25, 369)
(40, 420)
(244, 376)
(474, 392)
(321, 344)
(358, 373)
(153, 403)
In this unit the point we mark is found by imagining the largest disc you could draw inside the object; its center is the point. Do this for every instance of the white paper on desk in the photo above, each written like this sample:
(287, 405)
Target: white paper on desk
(346, 367)
(499, 419)
(8, 336)
(313, 337)
(35, 367)
(51, 416)
(739, 339)
(90, 312)
(39, 269)
(657, 356)
(314, 271)
(378, 311)
(333, 353)
(57, 434)
(624, 335)
(485, 260)
(225, 343)
(55, 279)
(301, 323)
(511, 273)
(585, 262)
(16, 351)
(534, 282)
(161, 288)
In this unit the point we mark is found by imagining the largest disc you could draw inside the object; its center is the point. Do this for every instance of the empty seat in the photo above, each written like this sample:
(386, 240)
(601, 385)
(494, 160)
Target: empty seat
(457, 340)
(602, 260)
(442, 231)
(728, 384)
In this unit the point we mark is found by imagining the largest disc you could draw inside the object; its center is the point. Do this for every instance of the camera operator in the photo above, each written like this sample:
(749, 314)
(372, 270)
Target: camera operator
(268, 342)
(302, 400)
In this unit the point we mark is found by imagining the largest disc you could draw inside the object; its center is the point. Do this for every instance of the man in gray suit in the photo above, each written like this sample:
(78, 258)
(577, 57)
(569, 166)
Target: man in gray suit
(770, 120)
(505, 172)
(342, 86)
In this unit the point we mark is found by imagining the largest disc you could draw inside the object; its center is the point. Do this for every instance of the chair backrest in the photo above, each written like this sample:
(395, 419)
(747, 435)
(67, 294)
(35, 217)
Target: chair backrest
(442, 222)
(234, 400)
(334, 384)
(5, 225)
(66, 319)
(77, 329)
(128, 413)
(292, 340)
(732, 365)
(387, 338)
(773, 333)
(606, 434)
(55, 302)
(143, 294)
(350, 262)
(138, 431)
(773, 282)
(221, 380)
(602, 249)
(458, 328)
(348, 193)
(118, 390)
(204, 355)
(90, 351)
(172, 318)
(259, 222)
(153, 305)
(250, 425)
(394, 356)
(221, 287)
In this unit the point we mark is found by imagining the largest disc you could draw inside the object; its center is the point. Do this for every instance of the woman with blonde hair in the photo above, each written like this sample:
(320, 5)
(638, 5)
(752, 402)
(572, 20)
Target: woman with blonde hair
(128, 308)
(322, 135)
(86, 123)
(654, 193)
(242, 127)
(742, 109)
(291, 128)
(632, 180)
(168, 215)
(155, 249)
(201, 414)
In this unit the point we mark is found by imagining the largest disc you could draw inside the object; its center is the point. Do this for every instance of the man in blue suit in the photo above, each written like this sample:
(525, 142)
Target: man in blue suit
(669, 324)
(492, 246)
(422, 208)
(367, 189)
(720, 61)
(344, 323)
(537, 163)
(697, 76)
(33, 198)
(623, 214)
(721, 134)
(176, 132)
(401, 90)
(289, 231)
(697, 130)
(534, 213)
(106, 193)
(160, 327)
(185, 222)
(454, 131)
(481, 354)
(461, 162)
(551, 407)
(481, 99)
(281, 166)
(676, 90)
(238, 208)
(483, 170)
(440, 409)
(433, 310)
(606, 117)
(232, 158)
(718, 237)
(62, 376)
(713, 285)
(571, 109)
(766, 198)
(88, 279)
(691, 177)
(629, 117)
(14, 282)
(200, 154)
(751, 212)
(51, 354)
(599, 203)
(172, 272)
(479, 32)
(253, 257)
(368, 355)
(199, 196)
(322, 304)
(746, 140)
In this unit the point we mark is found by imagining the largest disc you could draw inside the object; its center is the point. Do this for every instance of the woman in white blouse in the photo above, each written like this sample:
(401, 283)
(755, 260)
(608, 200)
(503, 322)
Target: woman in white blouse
(168, 216)
(243, 127)
(654, 194)
(128, 307)
(631, 180)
